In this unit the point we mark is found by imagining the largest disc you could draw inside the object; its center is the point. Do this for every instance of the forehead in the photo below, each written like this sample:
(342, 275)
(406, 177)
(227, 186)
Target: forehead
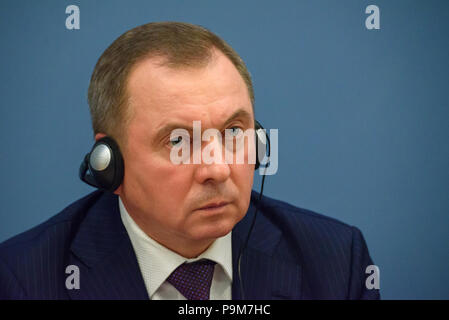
(159, 94)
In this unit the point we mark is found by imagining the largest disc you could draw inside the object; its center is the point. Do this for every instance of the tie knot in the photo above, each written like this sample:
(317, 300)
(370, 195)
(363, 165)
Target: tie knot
(193, 280)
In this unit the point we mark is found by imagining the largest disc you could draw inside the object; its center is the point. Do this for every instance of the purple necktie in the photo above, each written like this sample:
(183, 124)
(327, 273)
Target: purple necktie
(193, 280)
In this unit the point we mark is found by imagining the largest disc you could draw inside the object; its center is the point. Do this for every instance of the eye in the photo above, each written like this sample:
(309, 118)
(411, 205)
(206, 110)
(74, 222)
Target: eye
(175, 141)
(179, 138)
(235, 131)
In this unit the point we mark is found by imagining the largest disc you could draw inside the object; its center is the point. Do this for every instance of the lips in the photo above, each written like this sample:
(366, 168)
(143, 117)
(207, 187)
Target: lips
(214, 205)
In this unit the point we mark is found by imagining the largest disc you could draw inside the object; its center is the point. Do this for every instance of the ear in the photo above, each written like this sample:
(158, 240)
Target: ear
(118, 191)
(99, 135)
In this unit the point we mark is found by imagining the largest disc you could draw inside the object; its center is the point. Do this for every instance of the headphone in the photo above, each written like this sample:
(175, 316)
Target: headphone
(103, 166)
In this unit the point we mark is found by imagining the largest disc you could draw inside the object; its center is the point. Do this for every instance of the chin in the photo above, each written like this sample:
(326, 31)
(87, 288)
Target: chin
(213, 230)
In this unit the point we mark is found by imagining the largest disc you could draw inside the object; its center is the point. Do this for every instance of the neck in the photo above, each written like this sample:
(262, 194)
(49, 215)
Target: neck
(188, 249)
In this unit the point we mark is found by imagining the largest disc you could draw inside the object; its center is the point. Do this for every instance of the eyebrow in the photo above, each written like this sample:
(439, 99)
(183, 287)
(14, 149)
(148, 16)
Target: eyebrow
(169, 127)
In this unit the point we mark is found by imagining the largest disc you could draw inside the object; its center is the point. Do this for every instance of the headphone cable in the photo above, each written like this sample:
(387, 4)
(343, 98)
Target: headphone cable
(242, 292)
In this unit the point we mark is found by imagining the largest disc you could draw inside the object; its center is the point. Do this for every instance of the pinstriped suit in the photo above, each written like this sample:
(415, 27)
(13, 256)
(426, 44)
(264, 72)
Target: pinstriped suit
(293, 253)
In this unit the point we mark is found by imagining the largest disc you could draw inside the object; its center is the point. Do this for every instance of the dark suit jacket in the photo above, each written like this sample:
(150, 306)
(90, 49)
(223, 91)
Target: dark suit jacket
(293, 253)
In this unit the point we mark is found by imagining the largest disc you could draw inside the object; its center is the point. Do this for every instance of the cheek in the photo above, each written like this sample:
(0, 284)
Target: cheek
(157, 186)
(243, 176)
(243, 173)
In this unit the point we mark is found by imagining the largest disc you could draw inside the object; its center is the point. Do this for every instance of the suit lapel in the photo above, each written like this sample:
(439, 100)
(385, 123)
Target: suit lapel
(105, 257)
(264, 275)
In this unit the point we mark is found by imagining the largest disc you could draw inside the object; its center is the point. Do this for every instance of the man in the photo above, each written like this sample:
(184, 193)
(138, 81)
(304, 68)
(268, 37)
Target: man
(176, 231)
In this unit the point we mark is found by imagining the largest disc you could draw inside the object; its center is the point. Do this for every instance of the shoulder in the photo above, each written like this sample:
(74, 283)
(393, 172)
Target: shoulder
(295, 219)
(307, 235)
(332, 254)
(40, 252)
(69, 216)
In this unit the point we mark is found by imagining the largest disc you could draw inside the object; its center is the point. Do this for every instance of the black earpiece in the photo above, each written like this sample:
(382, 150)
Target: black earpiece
(262, 140)
(103, 166)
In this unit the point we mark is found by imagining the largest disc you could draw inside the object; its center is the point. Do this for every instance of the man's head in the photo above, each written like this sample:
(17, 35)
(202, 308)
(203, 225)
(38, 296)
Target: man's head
(162, 76)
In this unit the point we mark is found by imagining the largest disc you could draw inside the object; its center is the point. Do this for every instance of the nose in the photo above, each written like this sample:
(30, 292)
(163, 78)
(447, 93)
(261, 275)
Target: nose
(215, 171)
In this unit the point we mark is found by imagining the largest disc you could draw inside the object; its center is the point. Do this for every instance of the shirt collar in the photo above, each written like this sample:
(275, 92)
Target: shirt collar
(157, 262)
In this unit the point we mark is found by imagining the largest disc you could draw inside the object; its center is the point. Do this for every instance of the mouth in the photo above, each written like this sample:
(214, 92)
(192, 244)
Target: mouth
(213, 206)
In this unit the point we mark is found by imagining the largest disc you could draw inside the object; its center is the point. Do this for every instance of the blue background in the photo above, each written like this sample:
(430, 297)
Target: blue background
(363, 115)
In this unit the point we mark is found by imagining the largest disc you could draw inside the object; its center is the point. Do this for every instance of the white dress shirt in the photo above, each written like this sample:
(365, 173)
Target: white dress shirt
(157, 262)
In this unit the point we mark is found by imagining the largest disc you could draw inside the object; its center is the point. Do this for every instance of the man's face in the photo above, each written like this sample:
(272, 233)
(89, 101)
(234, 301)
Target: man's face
(184, 203)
